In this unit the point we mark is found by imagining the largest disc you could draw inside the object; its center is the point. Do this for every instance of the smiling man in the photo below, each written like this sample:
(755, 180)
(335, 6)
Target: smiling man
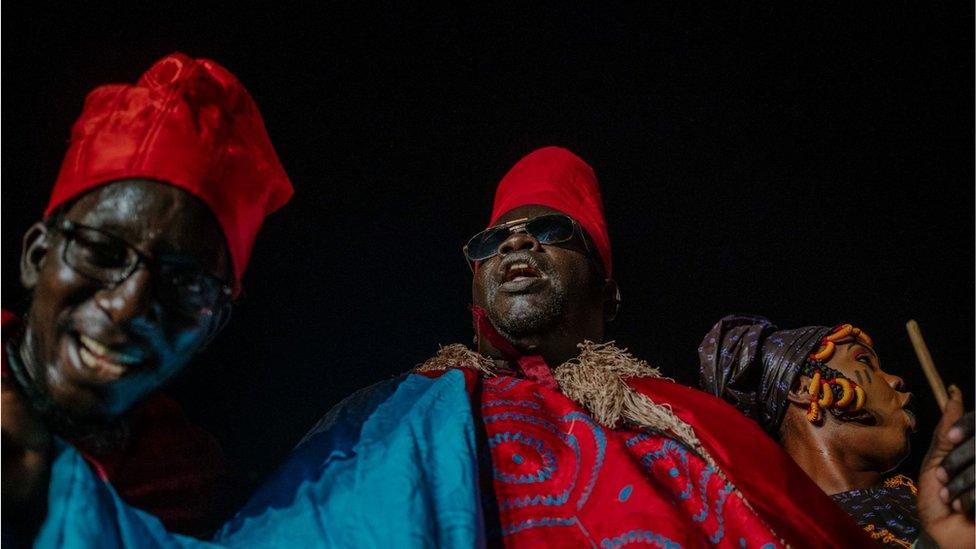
(131, 272)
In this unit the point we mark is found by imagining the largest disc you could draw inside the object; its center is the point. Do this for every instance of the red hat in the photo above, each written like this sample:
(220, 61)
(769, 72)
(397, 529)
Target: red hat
(558, 179)
(191, 124)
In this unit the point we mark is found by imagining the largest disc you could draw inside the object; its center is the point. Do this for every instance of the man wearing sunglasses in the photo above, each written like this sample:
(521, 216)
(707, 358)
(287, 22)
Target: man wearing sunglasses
(543, 437)
(132, 271)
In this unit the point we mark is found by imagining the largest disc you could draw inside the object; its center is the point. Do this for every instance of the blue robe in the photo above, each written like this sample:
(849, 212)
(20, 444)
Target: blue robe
(369, 475)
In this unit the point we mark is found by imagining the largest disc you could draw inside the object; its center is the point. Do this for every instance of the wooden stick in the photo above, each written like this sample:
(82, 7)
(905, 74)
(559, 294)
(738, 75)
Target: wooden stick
(925, 359)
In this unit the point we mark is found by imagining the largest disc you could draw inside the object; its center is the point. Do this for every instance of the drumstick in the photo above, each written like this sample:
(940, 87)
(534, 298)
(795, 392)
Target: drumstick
(925, 359)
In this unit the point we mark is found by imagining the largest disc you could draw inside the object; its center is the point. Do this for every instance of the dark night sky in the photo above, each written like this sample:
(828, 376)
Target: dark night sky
(814, 165)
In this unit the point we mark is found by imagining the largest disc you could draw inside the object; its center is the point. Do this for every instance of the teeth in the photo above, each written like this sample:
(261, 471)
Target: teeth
(96, 349)
(95, 346)
(87, 358)
(100, 365)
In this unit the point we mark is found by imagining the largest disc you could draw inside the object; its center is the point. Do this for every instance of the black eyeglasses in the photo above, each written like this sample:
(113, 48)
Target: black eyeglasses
(109, 260)
(547, 229)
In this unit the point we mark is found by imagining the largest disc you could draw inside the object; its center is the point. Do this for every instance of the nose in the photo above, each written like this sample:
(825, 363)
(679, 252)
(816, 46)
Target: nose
(518, 241)
(132, 298)
(895, 382)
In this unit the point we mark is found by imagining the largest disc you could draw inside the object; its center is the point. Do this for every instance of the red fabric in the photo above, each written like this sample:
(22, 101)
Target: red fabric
(782, 493)
(189, 123)
(558, 179)
(561, 480)
(168, 467)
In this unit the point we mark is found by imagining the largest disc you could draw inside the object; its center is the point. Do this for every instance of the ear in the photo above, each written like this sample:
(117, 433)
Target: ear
(611, 299)
(36, 244)
(800, 396)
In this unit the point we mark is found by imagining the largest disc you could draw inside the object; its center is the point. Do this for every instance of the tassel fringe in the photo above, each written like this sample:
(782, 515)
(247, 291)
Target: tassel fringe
(595, 381)
(457, 356)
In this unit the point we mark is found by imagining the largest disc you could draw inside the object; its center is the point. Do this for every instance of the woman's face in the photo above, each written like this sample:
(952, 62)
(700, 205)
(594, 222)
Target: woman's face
(881, 432)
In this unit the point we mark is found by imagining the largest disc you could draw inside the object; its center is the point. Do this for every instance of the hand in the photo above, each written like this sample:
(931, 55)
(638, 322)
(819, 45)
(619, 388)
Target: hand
(945, 483)
(26, 452)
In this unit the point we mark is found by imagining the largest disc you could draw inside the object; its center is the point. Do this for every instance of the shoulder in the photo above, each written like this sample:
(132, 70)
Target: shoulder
(682, 397)
(353, 409)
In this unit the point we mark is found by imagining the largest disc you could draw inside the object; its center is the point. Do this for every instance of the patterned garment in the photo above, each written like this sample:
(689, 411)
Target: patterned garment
(399, 464)
(887, 513)
(561, 480)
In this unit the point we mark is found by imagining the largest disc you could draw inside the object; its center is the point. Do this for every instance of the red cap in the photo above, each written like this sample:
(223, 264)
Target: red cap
(558, 179)
(191, 124)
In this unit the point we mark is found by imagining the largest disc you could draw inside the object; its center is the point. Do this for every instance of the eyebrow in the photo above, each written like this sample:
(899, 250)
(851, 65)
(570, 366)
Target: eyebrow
(859, 344)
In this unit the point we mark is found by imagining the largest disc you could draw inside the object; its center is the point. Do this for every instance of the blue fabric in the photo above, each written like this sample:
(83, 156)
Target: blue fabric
(369, 475)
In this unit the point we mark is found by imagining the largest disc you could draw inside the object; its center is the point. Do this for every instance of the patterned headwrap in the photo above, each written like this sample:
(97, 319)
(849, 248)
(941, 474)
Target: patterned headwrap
(752, 365)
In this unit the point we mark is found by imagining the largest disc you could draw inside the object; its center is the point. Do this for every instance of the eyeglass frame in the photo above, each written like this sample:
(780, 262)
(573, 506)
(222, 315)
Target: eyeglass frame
(69, 229)
(518, 225)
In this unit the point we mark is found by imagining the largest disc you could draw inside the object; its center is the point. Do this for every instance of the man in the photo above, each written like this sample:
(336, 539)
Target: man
(543, 438)
(143, 244)
(823, 395)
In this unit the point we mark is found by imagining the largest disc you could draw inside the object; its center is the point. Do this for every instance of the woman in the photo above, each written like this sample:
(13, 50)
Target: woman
(822, 394)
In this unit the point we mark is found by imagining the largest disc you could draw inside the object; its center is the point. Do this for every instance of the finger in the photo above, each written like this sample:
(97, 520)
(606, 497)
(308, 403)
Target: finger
(940, 443)
(958, 458)
(959, 484)
(965, 504)
(962, 428)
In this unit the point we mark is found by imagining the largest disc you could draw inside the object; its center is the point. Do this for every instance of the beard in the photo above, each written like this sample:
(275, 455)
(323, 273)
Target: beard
(531, 314)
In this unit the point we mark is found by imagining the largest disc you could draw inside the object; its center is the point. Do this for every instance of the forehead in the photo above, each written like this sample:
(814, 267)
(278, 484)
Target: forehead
(152, 215)
(530, 211)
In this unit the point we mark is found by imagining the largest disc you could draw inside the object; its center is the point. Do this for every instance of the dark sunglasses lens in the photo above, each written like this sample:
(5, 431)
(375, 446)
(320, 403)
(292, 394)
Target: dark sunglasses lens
(485, 244)
(549, 229)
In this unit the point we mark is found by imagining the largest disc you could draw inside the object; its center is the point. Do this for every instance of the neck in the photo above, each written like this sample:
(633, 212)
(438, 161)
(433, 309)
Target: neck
(832, 469)
(553, 350)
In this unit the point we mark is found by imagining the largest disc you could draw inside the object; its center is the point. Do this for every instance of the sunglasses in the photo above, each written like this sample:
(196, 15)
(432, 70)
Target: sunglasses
(547, 229)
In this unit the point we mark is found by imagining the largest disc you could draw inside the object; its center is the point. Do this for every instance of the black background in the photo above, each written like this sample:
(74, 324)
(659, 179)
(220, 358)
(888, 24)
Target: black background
(812, 164)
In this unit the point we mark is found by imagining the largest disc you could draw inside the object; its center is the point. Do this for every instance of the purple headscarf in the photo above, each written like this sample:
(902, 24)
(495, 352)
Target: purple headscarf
(752, 365)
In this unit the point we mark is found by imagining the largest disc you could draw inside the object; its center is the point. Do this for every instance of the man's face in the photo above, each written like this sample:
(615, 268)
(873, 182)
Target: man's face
(94, 348)
(531, 290)
(884, 433)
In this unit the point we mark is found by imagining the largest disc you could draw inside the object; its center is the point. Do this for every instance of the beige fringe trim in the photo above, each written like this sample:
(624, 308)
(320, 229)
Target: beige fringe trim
(457, 356)
(595, 381)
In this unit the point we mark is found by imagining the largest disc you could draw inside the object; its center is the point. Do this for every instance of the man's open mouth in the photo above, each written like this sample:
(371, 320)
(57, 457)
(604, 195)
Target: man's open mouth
(520, 271)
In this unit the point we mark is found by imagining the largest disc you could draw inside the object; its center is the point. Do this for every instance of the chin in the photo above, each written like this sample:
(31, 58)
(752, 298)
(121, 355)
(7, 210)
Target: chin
(519, 323)
(81, 405)
(89, 405)
(525, 315)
